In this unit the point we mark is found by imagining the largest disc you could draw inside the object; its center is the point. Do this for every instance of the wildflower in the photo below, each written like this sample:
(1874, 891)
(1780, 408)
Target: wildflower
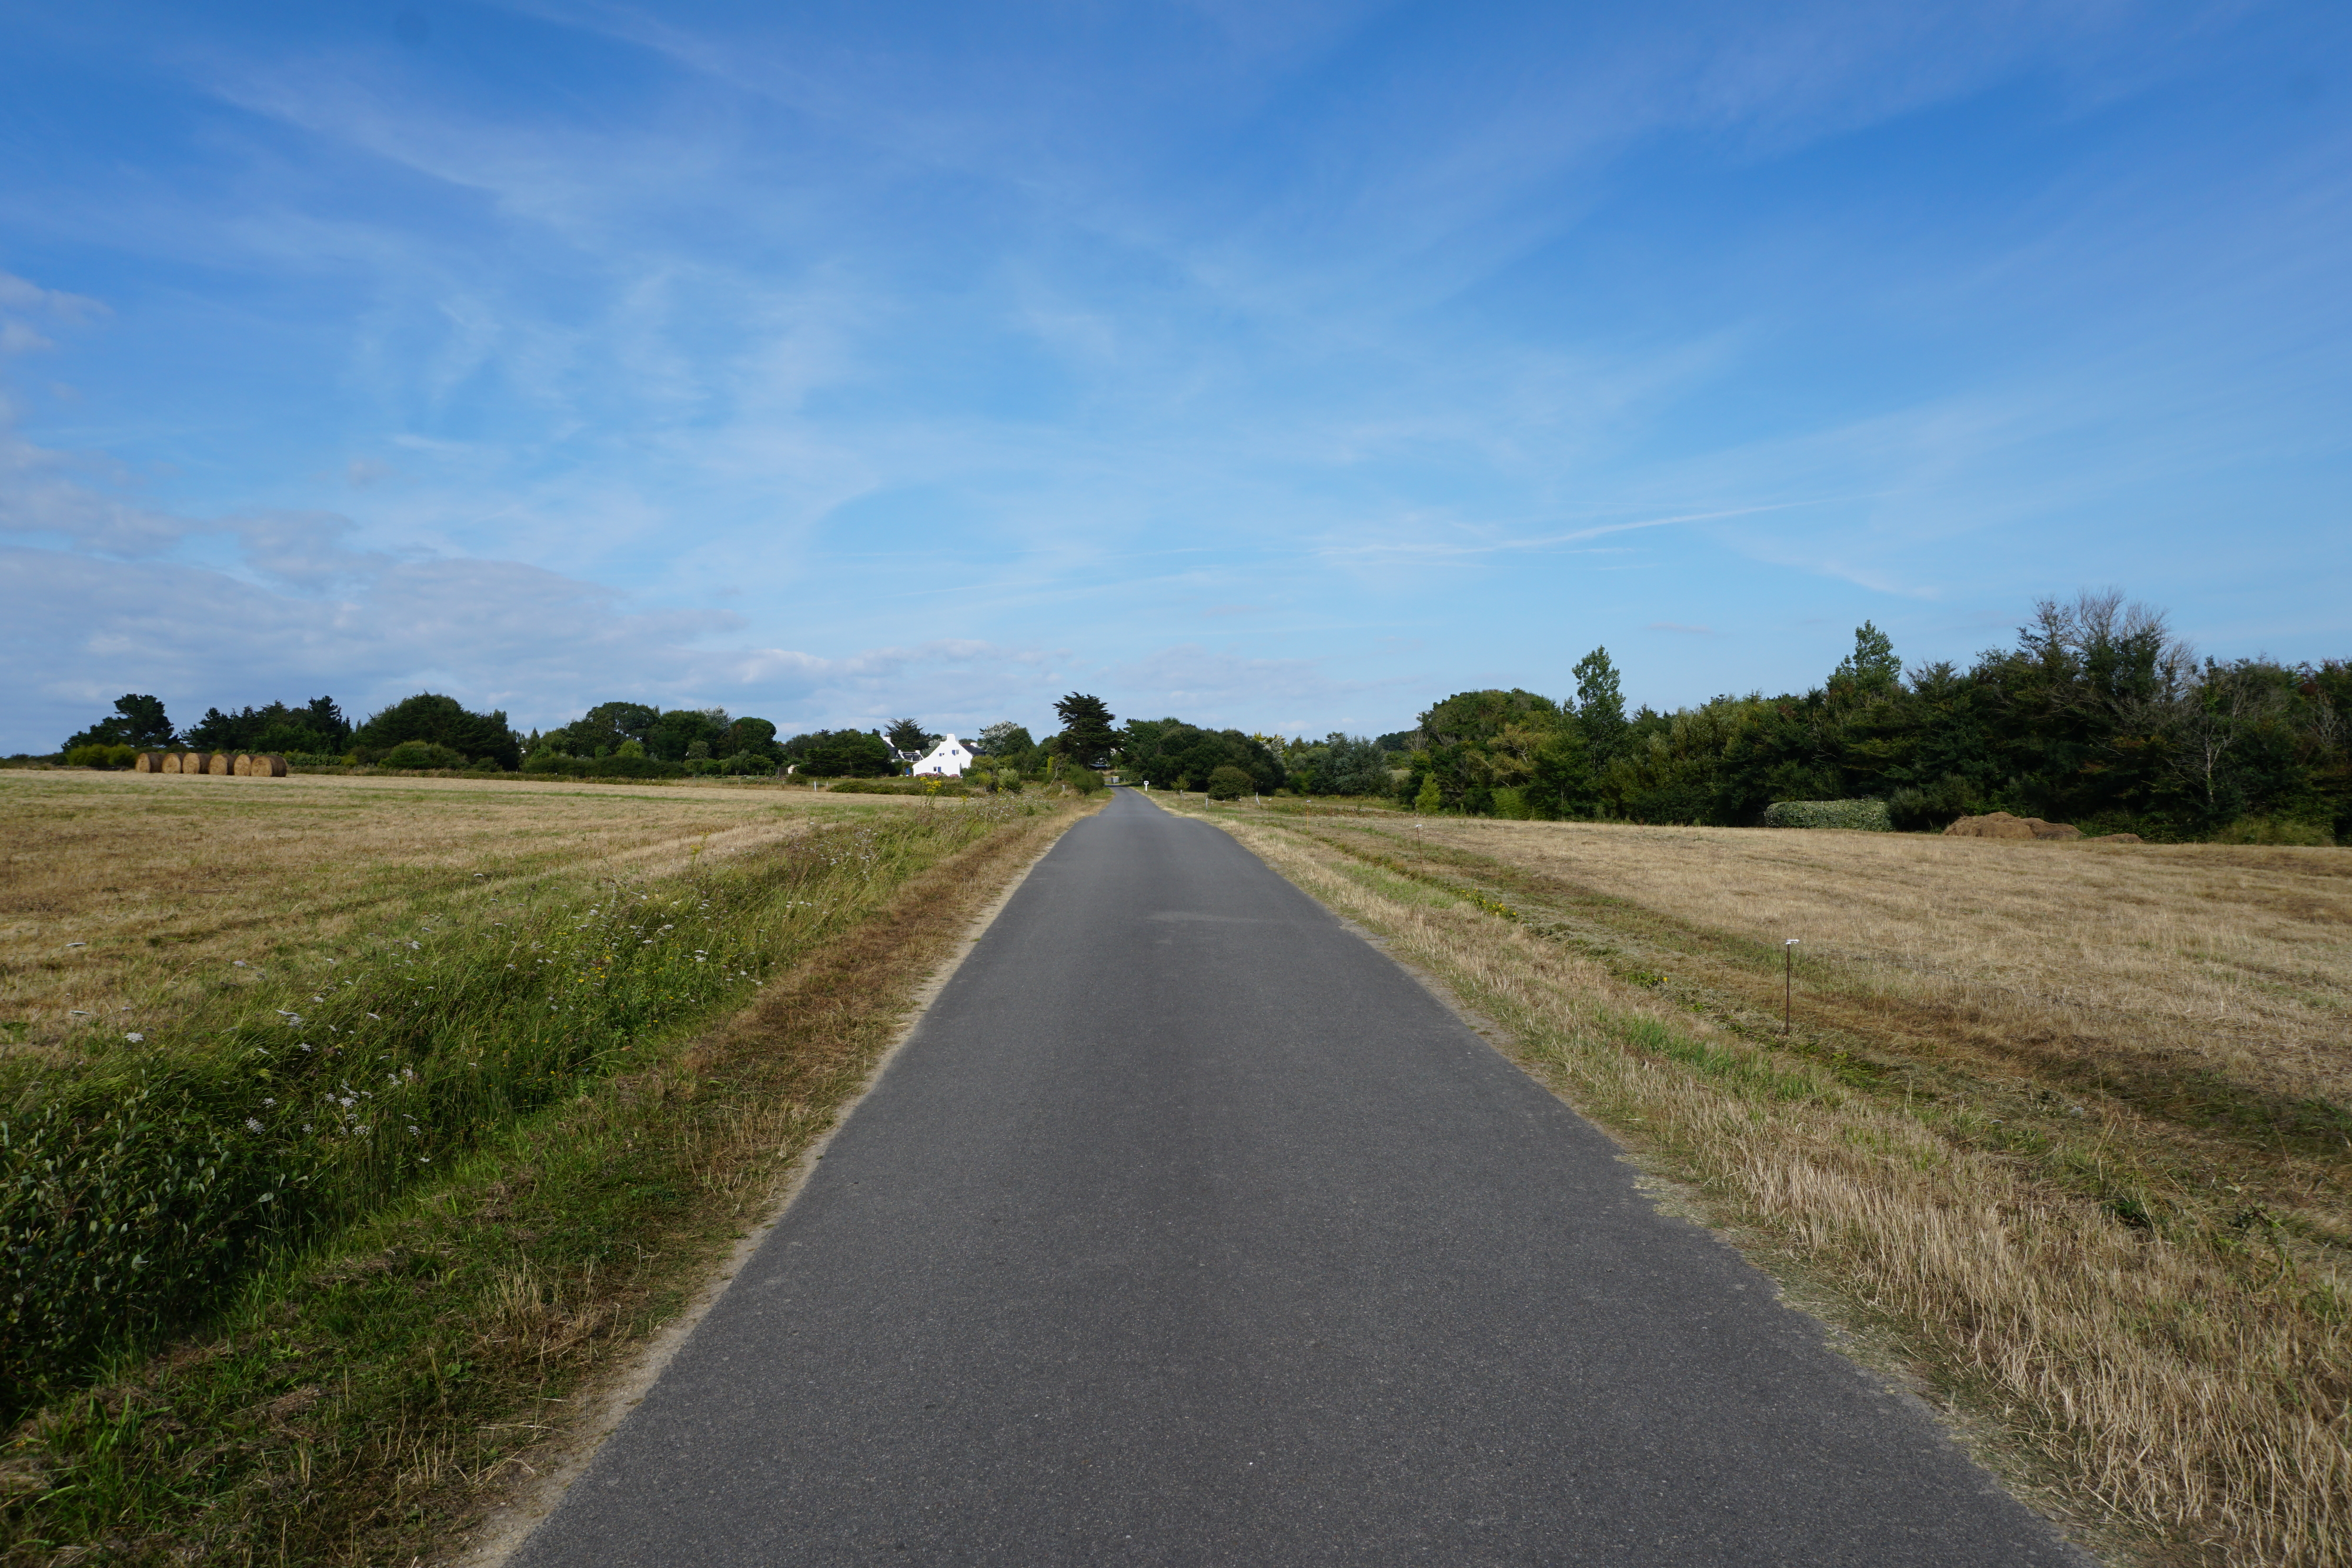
(136, 1039)
(268, 1101)
(238, 962)
(306, 1126)
(251, 1126)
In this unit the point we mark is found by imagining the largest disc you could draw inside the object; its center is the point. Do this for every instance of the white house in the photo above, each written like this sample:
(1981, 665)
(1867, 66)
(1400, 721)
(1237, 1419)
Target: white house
(947, 760)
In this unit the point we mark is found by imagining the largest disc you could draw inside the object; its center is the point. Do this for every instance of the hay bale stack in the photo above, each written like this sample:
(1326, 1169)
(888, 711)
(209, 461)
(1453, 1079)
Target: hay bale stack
(2001, 825)
(220, 764)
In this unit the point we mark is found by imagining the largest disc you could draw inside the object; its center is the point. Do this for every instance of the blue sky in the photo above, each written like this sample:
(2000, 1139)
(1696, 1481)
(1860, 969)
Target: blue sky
(1286, 365)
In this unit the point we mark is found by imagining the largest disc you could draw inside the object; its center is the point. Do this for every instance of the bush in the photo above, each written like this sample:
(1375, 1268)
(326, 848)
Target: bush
(898, 787)
(2274, 830)
(1861, 816)
(101, 756)
(415, 754)
(1228, 783)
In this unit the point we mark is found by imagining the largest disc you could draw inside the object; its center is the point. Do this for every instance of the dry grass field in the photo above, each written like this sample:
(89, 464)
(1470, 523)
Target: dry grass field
(113, 886)
(2065, 1125)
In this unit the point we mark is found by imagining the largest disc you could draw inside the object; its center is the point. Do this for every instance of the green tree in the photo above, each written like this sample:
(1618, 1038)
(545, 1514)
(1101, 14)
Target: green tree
(1428, 801)
(673, 736)
(1087, 737)
(1004, 738)
(1871, 666)
(1563, 781)
(137, 721)
(840, 754)
(754, 738)
(1599, 705)
(441, 721)
(908, 735)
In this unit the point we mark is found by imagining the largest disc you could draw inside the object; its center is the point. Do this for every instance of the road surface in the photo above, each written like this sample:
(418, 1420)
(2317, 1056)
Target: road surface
(1187, 1228)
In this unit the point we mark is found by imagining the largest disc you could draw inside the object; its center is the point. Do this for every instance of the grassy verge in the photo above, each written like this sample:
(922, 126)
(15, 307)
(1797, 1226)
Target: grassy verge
(362, 1389)
(2106, 1289)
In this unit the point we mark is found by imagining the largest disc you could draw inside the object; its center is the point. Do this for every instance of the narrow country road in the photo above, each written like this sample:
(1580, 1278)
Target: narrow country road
(1189, 1229)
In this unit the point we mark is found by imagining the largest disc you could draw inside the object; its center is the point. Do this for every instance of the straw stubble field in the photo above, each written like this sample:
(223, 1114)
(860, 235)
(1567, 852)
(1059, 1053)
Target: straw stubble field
(2063, 1128)
(117, 888)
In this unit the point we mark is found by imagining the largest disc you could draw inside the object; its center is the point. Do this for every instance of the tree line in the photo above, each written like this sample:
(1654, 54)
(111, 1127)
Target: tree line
(2097, 716)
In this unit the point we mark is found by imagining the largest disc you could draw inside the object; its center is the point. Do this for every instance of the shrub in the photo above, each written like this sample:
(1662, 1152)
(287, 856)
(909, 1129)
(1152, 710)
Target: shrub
(98, 755)
(1862, 816)
(898, 787)
(2274, 830)
(1228, 783)
(415, 754)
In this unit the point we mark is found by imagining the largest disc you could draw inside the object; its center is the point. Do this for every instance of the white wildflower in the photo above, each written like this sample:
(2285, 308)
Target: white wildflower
(251, 1126)
(136, 1039)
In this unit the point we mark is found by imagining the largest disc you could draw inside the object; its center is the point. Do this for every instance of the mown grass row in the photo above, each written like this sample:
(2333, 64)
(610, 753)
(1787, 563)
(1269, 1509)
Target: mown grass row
(140, 1186)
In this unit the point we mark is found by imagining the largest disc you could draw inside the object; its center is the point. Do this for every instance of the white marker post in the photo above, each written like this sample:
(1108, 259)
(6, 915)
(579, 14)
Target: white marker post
(1788, 994)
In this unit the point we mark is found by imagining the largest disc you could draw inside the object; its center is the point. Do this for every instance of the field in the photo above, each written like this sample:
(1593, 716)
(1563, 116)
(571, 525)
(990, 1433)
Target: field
(351, 1127)
(2062, 1132)
(119, 891)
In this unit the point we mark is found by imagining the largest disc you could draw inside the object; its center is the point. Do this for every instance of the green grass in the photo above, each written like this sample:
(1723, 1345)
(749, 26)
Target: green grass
(140, 1187)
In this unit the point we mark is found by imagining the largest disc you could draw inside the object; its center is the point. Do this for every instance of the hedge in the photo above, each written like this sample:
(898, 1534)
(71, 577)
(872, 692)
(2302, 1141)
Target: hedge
(1863, 816)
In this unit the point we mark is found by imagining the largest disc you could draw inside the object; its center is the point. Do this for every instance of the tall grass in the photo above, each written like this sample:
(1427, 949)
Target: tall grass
(140, 1183)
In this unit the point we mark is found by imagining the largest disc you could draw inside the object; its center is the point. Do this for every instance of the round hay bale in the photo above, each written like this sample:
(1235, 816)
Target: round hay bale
(271, 766)
(149, 762)
(220, 764)
(171, 763)
(241, 766)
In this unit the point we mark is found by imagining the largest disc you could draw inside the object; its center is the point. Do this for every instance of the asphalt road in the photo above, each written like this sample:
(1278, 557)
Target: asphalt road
(1189, 1229)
